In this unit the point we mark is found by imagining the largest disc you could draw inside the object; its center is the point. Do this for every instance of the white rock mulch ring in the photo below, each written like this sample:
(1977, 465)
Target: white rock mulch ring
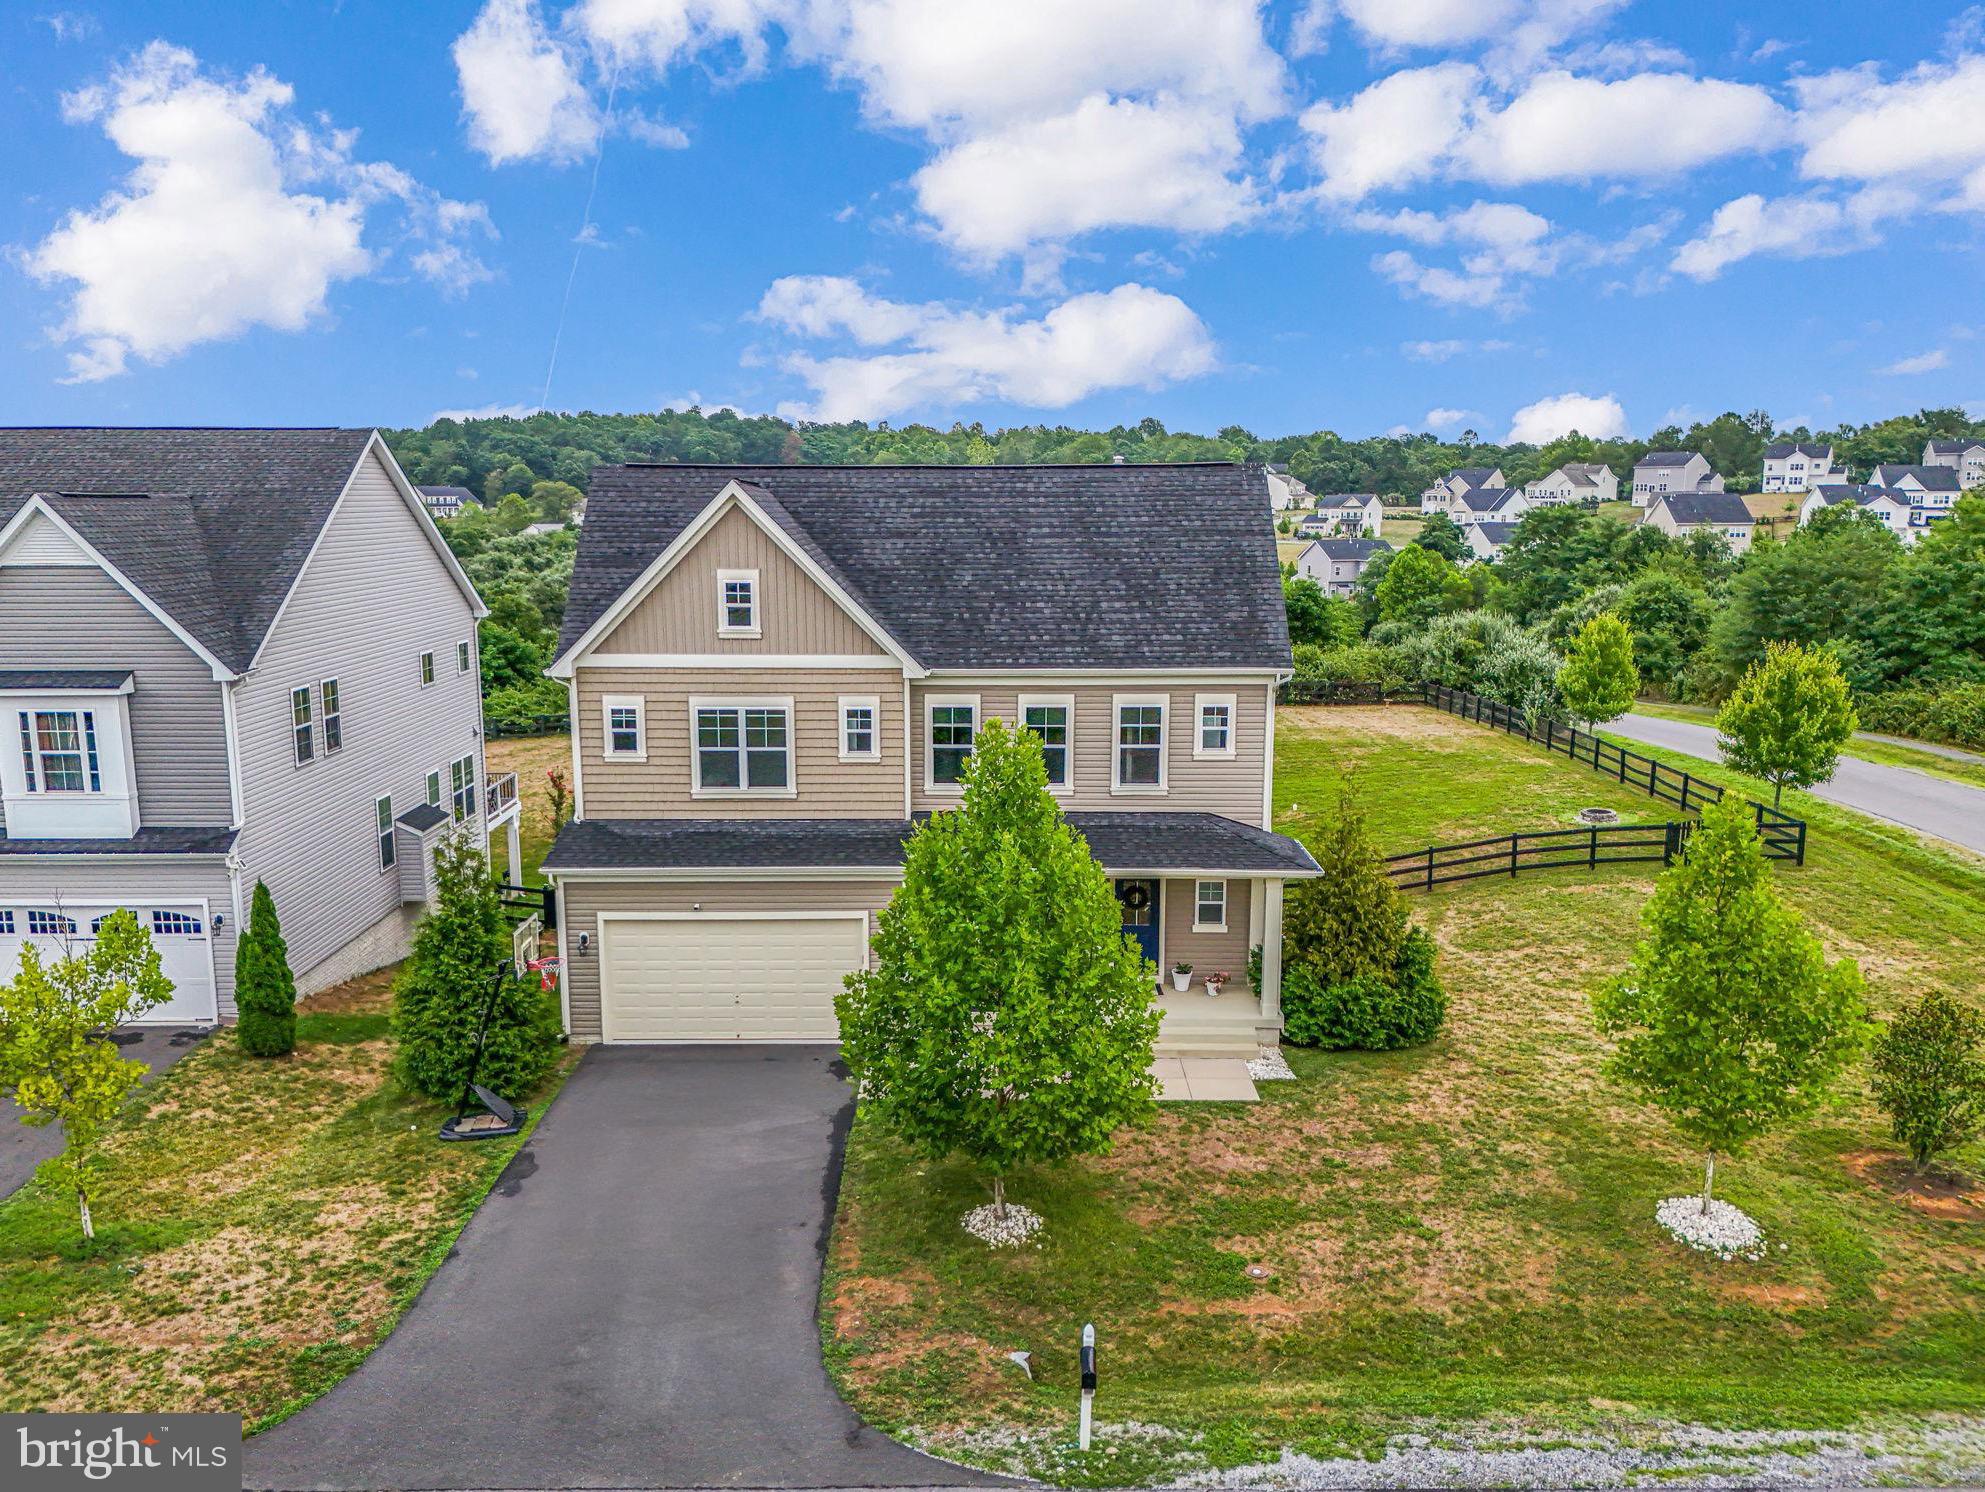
(1724, 1230)
(1270, 1067)
(986, 1225)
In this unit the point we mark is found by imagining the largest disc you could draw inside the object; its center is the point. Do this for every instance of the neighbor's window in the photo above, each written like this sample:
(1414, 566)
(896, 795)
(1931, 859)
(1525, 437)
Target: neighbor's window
(382, 815)
(1216, 725)
(743, 748)
(860, 734)
(175, 924)
(624, 725)
(58, 751)
(334, 717)
(737, 602)
(426, 669)
(6, 920)
(463, 657)
(50, 925)
(434, 789)
(1140, 744)
(1048, 720)
(952, 728)
(462, 785)
(1209, 908)
(302, 732)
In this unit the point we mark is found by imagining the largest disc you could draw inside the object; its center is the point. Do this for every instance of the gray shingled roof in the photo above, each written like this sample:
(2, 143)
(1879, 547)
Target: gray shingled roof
(1351, 549)
(1957, 447)
(1130, 566)
(146, 841)
(457, 494)
(422, 817)
(1855, 492)
(1666, 458)
(1723, 508)
(1933, 478)
(1498, 534)
(213, 525)
(64, 678)
(1347, 500)
(1474, 476)
(1781, 449)
(1126, 841)
(1488, 499)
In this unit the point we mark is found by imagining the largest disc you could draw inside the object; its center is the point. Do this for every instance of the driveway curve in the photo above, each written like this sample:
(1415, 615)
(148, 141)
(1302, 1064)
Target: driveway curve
(633, 1307)
(1931, 805)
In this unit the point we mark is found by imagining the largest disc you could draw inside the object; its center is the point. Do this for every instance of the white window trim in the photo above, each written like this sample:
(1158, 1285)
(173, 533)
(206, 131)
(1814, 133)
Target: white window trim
(465, 656)
(757, 627)
(1120, 788)
(1066, 701)
(932, 703)
(426, 669)
(308, 727)
(382, 838)
(784, 702)
(873, 704)
(435, 786)
(639, 705)
(325, 715)
(1209, 927)
(1200, 751)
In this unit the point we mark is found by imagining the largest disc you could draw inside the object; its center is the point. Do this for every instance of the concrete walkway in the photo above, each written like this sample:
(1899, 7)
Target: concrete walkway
(22, 1148)
(1929, 804)
(634, 1306)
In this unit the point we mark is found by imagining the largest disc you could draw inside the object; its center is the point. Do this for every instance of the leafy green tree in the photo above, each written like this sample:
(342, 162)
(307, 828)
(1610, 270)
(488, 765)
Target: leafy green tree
(1820, 585)
(1418, 586)
(438, 998)
(1312, 616)
(1443, 535)
(264, 988)
(1728, 1018)
(1669, 617)
(1788, 719)
(508, 661)
(1929, 1075)
(1599, 681)
(1007, 1018)
(1349, 920)
(1928, 618)
(57, 1062)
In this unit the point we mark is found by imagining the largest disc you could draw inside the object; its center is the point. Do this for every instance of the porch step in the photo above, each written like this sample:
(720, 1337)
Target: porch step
(1194, 1046)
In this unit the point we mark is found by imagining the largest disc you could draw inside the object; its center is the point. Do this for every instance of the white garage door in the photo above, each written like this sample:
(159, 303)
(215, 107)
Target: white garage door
(180, 932)
(726, 977)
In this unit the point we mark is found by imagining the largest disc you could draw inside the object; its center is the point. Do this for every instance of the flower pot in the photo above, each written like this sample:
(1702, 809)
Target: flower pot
(1213, 990)
(1181, 982)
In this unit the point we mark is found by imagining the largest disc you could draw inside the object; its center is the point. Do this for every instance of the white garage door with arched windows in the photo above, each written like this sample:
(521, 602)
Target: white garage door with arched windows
(181, 931)
(726, 976)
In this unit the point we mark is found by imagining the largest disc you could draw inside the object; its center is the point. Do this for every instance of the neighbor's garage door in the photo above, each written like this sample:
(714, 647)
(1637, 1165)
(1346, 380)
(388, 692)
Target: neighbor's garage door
(179, 931)
(713, 977)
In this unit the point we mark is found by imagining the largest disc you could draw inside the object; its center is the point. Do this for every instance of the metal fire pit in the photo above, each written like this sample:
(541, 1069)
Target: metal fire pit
(1597, 816)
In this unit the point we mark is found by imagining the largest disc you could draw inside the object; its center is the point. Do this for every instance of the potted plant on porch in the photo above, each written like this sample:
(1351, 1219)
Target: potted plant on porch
(1181, 976)
(1216, 981)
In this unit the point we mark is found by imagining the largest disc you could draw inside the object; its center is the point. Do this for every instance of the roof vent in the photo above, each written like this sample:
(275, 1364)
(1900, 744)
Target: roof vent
(1117, 460)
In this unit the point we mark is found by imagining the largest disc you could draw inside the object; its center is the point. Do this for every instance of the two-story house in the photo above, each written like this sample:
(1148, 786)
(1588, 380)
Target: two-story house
(1932, 490)
(1489, 505)
(446, 502)
(776, 671)
(1336, 564)
(227, 656)
(1725, 514)
(1965, 456)
(1286, 492)
(1349, 513)
(1584, 482)
(1799, 466)
(1660, 472)
(1487, 541)
(1892, 509)
(1441, 497)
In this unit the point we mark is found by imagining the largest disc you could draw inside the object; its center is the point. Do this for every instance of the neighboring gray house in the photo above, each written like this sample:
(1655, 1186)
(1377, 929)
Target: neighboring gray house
(1489, 505)
(1343, 513)
(1575, 482)
(1336, 564)
(1892, 508)
(1661, 472)
(1799, 466)
(1966, 457)
(1440, 497)
(1931, 491)
(228, 656)
(1486, 541)
(446, 502)
(1724, 513)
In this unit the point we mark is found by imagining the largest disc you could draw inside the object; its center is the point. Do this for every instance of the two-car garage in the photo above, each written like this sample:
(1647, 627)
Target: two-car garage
(725, 975)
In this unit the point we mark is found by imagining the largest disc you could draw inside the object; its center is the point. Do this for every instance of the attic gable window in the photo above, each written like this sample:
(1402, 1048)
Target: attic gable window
(737, 603)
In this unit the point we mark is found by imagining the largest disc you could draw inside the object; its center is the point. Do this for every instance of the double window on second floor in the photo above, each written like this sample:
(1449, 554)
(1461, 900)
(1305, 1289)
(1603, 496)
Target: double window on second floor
(316, 712)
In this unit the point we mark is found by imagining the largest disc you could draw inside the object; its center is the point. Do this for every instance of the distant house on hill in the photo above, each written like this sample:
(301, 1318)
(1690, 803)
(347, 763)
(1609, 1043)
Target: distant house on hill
(445, 502)
(1930, 490)
(1660, 472)
(1336, 564)
(1575, 482)
(1486, 541)
(1966, 457)
(1343, 513)
(1440, 497)
(1286, 491)
(1799, 466)
(1681, 513)
(1489, 505)
(1891, 507)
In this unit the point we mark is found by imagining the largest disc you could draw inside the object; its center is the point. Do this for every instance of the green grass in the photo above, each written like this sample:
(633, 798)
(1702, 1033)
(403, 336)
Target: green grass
(1887, 753)
(529, 757)
(1462, 1231)
(261, 1224)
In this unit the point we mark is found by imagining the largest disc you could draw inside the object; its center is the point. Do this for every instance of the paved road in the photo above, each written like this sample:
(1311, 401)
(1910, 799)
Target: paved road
(632, 1307)
(1934, 805)
(22, 1149)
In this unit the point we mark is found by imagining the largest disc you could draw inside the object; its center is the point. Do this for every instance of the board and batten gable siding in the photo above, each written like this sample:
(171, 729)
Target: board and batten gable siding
(584, 900)
(660, 786)
(373, 597)
(795, 616)
(76, 616)
(1232, 788)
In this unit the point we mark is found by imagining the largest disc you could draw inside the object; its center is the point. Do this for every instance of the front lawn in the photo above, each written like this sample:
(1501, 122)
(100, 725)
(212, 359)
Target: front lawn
(1454, 1235)
(261, 1226)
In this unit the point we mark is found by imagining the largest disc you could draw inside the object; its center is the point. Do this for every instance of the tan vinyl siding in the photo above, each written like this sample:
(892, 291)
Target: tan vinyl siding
(795, 616)
(373, 597)
(1207, 952)
(583, 900)
(1229, 787)
(660, 786)
(76, 616)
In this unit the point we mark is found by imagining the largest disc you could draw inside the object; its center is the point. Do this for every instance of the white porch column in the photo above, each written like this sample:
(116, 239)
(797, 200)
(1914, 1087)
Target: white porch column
(1271, 950)
(513, 842)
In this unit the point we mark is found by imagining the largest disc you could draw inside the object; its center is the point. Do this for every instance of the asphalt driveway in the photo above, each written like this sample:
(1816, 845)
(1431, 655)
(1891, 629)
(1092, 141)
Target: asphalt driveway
(634, 1306)
(22, 1149)
(1939, 806)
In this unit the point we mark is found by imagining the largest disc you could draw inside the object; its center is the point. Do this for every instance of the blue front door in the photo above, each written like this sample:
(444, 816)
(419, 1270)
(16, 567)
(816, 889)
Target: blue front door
(1139, 900)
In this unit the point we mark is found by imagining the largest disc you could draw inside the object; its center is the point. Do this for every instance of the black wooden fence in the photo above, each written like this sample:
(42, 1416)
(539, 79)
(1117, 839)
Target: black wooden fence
(498, 728)
(1545, 849)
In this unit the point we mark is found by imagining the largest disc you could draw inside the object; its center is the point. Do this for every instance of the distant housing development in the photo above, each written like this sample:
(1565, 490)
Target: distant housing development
(1575, 482)
(1336, 564)
(1489, 505)
(1681, 513)
(1488, 540)
(1891, 507)
(1799, 466)
(1965, 457)
(1343, 513)
(1440, 497)
(1661, 472)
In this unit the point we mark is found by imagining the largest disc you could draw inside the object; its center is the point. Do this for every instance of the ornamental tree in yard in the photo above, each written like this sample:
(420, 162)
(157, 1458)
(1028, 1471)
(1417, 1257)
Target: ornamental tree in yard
(1729, 1018)
(56, 1061)
(1007, 1018)
(1788, 719)
(1929, 1075)
(1347, 921)
(264, 988)
(1599, 680)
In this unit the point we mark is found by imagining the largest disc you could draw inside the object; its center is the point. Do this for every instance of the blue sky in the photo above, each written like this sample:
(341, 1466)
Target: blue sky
(1511, 215)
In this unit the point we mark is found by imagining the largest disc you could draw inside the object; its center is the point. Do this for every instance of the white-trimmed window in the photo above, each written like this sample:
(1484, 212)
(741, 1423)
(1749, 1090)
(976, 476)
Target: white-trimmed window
(334, 715)
(1137, 760)
(951, 725)
(50, 925)
(464, 657)
(1214, 724)
(6, 920)
(175, 925)
(1209, 906)
(462, 787)
(624, 719)
(433, 789)
(382, 819)
(743, 747)
(426, 669)
(1051, 717)
(737, 603)
(59, 751)
(861, 728)
(302, 730)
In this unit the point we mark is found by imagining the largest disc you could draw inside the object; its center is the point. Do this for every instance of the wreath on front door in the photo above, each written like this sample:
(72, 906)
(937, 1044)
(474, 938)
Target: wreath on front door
(1135, 898)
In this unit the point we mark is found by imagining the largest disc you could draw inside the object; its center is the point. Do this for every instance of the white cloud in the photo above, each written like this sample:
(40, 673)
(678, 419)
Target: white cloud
(1129, 337)
(1925, 128)
(1393, 133)
(1428, 23)
(1502, 245)
(211, 233)
(1450, 419)
(1923, 362)
(486, 412)
(521, 91)
(1600, 417)
(1435, 282)
(72, 25)
(1808, 227)
(1445, 349)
